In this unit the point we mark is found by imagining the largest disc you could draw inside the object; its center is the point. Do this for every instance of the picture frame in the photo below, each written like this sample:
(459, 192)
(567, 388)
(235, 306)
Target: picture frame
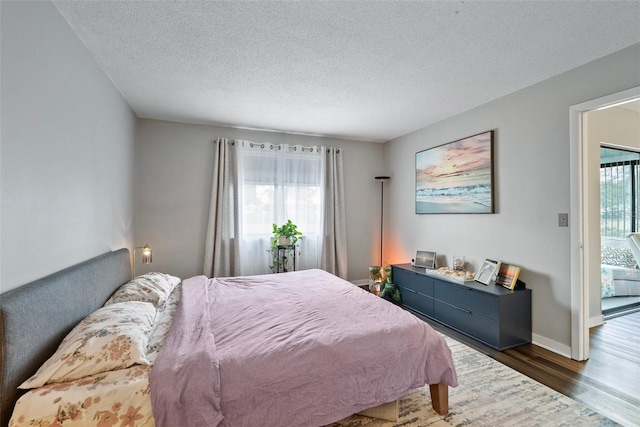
(508, 276)
(425, 259)
(456, 177)
(487, 271)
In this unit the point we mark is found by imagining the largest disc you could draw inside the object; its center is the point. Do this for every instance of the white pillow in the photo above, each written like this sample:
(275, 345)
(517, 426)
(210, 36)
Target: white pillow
(151, 287)
(633, 240)
(110, 338)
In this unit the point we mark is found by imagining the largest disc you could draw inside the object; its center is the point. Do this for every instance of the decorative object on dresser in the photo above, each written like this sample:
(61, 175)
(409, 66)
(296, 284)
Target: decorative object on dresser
(458, 263)
(508, 275)
(425, 259)
(488, 313)
(456, 177)
(451, 275)
(488, 271)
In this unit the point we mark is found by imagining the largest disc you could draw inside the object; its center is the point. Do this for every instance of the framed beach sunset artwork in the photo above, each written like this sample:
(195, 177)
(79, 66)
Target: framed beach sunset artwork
(456, 177)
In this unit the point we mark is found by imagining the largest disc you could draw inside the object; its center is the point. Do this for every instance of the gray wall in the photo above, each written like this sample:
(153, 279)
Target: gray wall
(174, 187)
(532, 181)
(68, 149)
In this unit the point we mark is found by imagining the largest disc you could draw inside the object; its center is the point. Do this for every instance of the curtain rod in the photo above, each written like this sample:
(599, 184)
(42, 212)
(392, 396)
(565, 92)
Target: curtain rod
(263, 145)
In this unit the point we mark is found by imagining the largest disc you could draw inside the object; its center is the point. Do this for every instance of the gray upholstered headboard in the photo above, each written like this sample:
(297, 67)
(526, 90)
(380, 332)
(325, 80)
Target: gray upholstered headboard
(34, 318)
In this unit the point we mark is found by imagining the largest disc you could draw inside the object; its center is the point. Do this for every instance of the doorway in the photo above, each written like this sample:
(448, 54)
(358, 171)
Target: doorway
(619, 292)
(585, 207)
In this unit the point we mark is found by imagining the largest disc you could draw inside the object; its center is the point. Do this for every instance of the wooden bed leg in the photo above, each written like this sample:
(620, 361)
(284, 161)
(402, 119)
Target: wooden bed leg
(440, 398)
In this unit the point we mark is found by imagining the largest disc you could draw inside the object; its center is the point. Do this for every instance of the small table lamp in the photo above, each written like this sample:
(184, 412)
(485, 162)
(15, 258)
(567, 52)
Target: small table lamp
(146, 256)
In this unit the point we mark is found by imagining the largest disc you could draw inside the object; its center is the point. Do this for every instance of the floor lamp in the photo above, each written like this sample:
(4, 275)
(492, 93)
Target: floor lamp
(382, 179)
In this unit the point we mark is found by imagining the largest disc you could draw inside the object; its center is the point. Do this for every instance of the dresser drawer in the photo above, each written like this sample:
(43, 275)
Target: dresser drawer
(468, 299)
(469, 323)
(414, 281)
(416, 301)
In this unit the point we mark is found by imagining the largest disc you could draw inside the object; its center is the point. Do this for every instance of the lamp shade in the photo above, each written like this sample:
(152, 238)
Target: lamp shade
(146, 255)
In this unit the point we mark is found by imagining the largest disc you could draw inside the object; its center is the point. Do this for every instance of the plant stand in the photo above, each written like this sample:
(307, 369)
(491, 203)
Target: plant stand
(283, 259)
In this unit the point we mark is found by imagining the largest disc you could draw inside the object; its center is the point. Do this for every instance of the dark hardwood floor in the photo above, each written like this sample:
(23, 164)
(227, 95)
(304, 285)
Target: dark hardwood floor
(609, 382)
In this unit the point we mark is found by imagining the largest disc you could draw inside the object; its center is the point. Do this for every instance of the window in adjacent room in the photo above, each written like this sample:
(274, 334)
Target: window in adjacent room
(619, 203)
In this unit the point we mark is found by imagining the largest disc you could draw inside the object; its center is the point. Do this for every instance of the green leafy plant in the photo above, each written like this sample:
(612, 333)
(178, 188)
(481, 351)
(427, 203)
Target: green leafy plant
(375, 273)
(286, 235)
(391, 293)
(387, 274)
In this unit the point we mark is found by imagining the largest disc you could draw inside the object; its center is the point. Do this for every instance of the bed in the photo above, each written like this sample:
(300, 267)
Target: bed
(36, 317)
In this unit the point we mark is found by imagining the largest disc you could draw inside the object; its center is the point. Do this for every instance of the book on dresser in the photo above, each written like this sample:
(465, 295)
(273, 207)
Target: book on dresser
(491, 314)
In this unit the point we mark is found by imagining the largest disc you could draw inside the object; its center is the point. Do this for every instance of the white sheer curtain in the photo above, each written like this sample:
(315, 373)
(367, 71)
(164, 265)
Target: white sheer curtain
(270, 185)
(277, 183)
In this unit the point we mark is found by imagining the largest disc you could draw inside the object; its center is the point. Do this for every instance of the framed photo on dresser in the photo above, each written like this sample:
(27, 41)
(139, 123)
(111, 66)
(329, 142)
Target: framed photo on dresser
(488, 271)
(508, 276)
(425, 259)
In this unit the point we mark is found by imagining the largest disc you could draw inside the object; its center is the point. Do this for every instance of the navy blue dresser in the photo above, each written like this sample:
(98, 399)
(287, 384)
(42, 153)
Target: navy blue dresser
(492, 314)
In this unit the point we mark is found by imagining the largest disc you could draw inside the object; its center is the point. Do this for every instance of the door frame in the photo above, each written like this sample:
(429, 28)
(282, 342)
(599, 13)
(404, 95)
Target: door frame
(580, 201)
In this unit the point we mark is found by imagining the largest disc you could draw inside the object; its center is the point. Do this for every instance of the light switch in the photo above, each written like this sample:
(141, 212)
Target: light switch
(563, 220)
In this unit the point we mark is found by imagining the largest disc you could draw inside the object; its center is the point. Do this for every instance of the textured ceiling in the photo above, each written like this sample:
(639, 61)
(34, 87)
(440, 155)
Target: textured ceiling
(356, 70)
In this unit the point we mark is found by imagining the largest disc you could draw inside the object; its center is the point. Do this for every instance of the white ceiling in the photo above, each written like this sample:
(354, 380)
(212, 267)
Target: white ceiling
(355, 70)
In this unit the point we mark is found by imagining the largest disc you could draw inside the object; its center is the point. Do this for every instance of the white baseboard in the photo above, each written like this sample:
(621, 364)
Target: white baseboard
(556, 347)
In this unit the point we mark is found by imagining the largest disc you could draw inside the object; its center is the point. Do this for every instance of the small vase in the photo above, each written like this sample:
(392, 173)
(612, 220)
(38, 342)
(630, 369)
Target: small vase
(374, 288)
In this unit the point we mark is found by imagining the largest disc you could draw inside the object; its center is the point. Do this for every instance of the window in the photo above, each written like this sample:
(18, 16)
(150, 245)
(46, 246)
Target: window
(278, 183)
(619, 179)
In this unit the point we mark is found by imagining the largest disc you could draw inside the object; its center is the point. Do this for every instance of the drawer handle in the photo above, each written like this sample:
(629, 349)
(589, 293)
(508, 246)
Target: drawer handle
(461, 309)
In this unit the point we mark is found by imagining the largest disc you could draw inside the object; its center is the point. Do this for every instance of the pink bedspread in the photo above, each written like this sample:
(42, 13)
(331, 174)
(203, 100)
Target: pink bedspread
(296, 349)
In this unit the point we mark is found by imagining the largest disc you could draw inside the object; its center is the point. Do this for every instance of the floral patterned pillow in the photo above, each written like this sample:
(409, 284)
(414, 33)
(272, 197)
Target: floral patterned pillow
(112, 337)
(607, 288)
(151, 287)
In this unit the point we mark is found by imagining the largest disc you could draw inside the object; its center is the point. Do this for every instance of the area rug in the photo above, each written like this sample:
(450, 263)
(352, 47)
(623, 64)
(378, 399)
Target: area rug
(489, 394)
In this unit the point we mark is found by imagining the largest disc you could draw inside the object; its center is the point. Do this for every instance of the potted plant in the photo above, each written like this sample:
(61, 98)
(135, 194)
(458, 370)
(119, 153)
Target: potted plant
(283, 244)
(375, 277)
(391, 293)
